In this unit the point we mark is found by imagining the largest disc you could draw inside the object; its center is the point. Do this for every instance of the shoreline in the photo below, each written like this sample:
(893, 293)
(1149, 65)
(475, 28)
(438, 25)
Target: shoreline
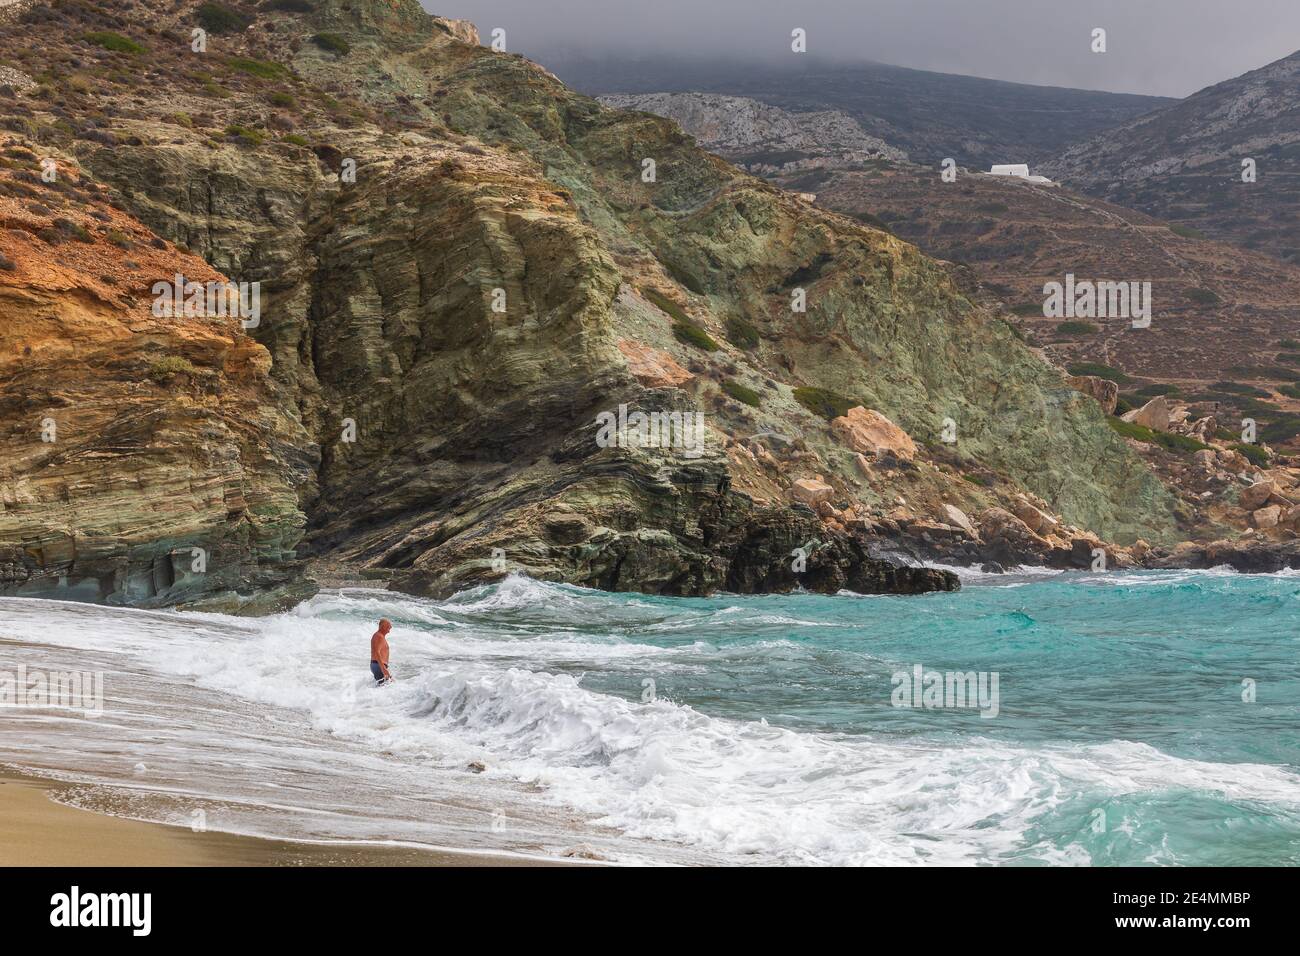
(36, 830)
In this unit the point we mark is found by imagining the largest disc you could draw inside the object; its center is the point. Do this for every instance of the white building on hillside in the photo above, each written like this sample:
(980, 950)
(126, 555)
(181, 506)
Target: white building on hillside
(1019, 171)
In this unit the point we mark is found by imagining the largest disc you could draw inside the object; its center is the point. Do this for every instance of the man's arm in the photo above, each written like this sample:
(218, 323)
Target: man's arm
(383, 657)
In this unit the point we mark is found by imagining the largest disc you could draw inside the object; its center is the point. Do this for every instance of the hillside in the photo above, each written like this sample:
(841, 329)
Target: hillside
(1183, 162)
(1017, 236)
(1219, 315)
(1221, 341)
(447, 326)
(1012, 238)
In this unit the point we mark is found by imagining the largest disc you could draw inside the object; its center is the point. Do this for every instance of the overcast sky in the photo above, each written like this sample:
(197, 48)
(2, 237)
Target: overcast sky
(1165, 47)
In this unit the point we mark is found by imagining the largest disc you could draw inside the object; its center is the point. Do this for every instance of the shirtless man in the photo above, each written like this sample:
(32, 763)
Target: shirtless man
(379, 652)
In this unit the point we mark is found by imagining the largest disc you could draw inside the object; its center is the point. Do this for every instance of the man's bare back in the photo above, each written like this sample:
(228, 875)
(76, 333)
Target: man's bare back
(379, 652)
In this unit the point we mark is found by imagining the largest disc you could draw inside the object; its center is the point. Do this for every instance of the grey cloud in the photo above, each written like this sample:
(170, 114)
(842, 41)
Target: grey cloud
(1165, 47)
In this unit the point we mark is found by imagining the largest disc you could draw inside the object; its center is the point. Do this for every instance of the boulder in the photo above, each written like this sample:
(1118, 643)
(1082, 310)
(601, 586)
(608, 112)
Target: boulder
(763, 456)
(1203, 429)
(998, 523)
(1083, 553)
(1155, 415)
(955, 516)
(1205, 459)
(462, 30)
(1234, 461)
(1009, 541)
(566, 527)
(1266, 518)
(867, 431)
(1254, 497)
(812, 491)
(1038, 521)
(929, 530)
(1103, 390)
(1252, 553)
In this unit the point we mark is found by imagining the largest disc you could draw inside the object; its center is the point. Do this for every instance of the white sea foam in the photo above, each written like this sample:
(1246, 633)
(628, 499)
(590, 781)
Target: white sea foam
(1018, 574)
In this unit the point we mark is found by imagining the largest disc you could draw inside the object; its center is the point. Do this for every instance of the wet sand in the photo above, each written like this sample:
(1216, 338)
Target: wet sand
(37, 831)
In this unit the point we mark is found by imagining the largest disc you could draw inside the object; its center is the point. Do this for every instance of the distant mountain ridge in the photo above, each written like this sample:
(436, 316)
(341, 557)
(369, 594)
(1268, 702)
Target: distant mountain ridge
(1183, 162)
(928, 115)
(762, 138)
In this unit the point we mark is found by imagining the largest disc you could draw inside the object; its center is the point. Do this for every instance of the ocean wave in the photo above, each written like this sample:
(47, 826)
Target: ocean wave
(665, 771)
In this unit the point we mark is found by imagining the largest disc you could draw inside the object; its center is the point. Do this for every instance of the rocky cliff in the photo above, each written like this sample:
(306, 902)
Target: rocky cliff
(464, 266)
(143, 460)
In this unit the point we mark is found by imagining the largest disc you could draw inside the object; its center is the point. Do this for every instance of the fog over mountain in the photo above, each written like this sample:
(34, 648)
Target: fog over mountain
(1160, 47)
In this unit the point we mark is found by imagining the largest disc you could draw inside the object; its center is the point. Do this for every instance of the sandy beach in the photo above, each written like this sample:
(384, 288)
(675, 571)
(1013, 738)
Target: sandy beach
(37, 831)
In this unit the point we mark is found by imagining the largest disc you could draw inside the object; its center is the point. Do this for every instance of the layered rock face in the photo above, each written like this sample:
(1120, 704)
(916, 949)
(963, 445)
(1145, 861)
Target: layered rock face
(143, 460)
(466, 268)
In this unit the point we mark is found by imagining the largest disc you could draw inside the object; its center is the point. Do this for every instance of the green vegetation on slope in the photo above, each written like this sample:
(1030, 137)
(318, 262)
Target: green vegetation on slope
(741, 393)
(1152, 437)
(219, 18)
(824, 402)
(332, 43)
(1076, 328)
(115, 42)
(1099, 370)
(688, 333)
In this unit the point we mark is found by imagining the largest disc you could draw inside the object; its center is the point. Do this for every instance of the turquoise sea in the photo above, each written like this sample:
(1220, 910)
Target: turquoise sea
(1135, 718)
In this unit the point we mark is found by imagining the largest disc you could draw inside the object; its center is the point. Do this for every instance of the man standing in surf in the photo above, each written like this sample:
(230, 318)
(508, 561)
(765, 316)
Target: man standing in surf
(379, 652)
